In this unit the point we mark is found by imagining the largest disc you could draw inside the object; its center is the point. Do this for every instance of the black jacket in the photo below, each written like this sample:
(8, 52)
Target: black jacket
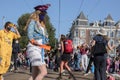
(15, 48)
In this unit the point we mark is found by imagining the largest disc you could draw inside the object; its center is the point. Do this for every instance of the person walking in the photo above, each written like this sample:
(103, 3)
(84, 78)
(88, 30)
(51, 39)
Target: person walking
(6, 39)
(77, 59)
(15, 51)
(84, 58)
(66, 56)
(99, 44)
(38, 36)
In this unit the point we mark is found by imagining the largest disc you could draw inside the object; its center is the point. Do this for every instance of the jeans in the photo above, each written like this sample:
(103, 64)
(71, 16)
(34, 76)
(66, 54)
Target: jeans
(77, 62)
(100, 67)
(14, 57)
(89, 64)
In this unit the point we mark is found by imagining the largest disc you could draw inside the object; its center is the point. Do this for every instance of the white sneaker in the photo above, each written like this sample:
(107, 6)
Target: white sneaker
(107, 72)
(87, 73)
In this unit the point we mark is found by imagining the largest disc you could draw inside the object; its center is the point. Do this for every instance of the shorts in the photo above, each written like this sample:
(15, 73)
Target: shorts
(65, 57)
(35, 55)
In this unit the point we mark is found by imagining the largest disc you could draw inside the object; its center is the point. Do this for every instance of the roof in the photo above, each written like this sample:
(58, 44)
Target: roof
(82, 16)
(109, 17)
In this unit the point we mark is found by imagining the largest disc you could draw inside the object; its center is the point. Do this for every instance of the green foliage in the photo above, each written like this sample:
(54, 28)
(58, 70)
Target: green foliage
(24, 40)
(51, 32)
(22, 23)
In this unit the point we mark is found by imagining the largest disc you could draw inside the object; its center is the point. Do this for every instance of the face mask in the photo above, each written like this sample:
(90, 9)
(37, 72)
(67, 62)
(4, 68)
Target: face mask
(8, 28)
(41, 17)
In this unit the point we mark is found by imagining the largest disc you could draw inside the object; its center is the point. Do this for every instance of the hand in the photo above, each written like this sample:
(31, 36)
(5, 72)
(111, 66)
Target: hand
(36, 44)
(14, 26)
(113, 46)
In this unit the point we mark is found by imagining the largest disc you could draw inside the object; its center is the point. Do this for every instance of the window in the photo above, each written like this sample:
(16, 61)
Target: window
(118, 34)
(82, 33)
(76, 41)
(77, 22)
(112, 34)
(82, 41)
(76, 32)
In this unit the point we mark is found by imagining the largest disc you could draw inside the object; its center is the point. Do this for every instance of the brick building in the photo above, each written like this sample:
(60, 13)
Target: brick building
(83, 31)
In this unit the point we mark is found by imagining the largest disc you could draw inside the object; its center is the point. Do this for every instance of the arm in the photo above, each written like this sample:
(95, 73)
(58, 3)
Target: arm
(92, 43)
(16, 30)
(62, 46)
(30, 33)
(92, 47)
(110, 47)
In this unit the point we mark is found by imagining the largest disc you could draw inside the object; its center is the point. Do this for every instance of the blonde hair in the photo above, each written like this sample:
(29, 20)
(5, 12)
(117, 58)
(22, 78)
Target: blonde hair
(34, 16)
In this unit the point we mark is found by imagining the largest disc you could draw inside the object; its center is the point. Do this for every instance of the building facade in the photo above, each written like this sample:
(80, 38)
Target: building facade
(83, 31)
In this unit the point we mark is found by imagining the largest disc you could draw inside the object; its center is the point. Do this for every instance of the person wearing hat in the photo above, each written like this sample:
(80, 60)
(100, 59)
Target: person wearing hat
(37, 35)
(99, 53)
(6, 39)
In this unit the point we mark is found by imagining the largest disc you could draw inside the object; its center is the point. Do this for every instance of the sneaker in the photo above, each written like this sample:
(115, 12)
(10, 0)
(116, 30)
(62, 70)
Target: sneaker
(107, 72)
(87, 73)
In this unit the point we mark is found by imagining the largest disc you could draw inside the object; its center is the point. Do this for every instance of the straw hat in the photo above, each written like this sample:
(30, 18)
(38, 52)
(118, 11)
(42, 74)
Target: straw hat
(102, 31)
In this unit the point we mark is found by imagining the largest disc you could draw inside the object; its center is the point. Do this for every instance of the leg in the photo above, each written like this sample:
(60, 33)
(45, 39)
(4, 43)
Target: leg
(43, 72)
(83, 62)
(61, 66)
(15, 61)
(66, 66)
(103, 68)
(89, 64)
(69, 70)
(86, 61)
(61, 69)
(97, 67)
(0, 76)
(35, 72)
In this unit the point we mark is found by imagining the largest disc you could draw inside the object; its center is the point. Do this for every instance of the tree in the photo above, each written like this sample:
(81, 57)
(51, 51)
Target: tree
(24, 39)
(22, 23)
(51, 32)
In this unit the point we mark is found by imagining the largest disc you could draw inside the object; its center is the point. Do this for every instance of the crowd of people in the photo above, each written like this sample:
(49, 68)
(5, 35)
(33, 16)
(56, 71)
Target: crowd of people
(93, 57)
(80, 59)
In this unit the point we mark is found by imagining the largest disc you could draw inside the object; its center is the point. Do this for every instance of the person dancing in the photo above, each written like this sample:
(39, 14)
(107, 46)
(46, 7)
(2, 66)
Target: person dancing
(38, 36)
(65, 58)
(6, 39)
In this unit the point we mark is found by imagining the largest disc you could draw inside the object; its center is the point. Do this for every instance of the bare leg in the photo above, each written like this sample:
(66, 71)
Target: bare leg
(43, 72)
(1, 77)
(61, 66)
(35, 72)
(69, 71)
(67, 67)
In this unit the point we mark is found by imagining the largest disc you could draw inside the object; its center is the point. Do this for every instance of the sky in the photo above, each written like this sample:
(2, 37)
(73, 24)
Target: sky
(62, 13)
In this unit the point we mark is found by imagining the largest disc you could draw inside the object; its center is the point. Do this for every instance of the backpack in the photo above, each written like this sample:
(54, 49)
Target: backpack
(68, 46)
(100, 46)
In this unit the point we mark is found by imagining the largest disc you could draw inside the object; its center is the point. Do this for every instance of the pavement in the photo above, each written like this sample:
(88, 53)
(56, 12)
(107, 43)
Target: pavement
(24, 74)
